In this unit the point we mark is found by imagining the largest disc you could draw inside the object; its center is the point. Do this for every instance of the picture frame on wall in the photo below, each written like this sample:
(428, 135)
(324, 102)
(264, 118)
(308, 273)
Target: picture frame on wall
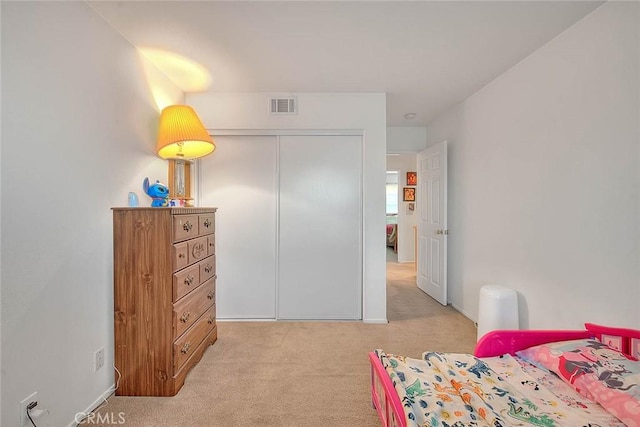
(408, 194)
(412, 178)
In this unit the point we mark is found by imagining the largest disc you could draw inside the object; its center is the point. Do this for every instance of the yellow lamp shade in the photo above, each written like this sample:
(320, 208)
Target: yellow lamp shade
(181, 134)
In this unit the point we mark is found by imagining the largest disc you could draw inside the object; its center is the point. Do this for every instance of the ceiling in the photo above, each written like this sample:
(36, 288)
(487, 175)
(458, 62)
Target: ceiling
(426, 55)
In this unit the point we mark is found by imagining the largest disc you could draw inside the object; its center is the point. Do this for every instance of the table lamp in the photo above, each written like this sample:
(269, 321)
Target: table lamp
(182, 138)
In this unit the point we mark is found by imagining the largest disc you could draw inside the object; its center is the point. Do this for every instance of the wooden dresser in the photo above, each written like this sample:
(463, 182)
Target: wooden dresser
(164, 295)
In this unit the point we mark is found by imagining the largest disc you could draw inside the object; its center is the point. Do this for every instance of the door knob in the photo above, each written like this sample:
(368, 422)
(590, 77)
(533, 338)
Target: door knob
(439, 231)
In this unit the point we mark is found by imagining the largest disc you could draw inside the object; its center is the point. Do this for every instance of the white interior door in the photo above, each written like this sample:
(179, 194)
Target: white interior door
(432, 225)
(240, 178)
(320, 227)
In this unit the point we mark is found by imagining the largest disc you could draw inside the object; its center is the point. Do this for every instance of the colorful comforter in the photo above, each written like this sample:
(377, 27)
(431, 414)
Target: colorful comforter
(456, 390)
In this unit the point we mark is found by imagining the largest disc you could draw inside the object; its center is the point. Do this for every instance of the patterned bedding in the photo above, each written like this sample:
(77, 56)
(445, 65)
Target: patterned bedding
(456, 390)
(596, 371)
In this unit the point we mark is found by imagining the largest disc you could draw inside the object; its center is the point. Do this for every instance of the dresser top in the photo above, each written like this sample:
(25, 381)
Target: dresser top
(173, 210)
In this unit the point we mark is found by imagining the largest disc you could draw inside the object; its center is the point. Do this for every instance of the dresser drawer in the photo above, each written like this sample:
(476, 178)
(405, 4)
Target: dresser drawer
(197, 249)
(188, 310)
(184, 346)
(184, 281)
(185, 227)
(180, 255)
(211, 245)
(186, 253)
(206, 224)
(207, 268)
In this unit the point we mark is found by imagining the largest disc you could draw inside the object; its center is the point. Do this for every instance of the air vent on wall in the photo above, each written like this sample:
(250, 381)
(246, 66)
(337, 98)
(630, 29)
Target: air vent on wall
(284, 106)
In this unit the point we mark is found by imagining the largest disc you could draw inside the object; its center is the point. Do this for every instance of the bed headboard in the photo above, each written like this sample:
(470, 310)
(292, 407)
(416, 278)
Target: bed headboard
(622, 339)
(496, 343)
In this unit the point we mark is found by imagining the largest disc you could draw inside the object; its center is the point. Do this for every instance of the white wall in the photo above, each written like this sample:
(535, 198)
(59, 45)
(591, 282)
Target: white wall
(0, 221)
(544, 185)
(410, 139)
(346, 111)
(78, 133)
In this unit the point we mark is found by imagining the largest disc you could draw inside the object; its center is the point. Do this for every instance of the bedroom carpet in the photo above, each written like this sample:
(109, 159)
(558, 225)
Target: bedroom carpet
(299, 374)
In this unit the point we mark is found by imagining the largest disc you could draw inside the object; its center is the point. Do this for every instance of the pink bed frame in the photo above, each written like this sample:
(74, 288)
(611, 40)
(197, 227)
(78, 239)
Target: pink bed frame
(495, 343)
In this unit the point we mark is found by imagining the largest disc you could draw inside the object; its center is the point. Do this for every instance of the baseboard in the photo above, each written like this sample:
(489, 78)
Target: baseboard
(461, 311)
(99, 401)
(242, 319)
(375, 321)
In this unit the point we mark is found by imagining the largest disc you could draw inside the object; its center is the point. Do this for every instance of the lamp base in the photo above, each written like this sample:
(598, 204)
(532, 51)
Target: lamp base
(180, 180)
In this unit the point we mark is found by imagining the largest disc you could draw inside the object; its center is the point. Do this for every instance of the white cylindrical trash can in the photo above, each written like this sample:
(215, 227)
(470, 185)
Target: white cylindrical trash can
(498, 309)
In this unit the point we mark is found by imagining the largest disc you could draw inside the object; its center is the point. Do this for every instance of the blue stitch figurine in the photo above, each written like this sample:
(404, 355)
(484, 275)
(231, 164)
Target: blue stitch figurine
(158, 192)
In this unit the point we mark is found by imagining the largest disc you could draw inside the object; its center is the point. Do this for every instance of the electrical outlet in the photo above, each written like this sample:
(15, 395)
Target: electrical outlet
(33, 397)
(99, 359)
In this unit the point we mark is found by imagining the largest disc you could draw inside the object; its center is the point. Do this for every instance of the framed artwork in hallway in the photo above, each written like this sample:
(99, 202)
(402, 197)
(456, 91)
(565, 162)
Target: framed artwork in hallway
(412, 178)
(408, 194)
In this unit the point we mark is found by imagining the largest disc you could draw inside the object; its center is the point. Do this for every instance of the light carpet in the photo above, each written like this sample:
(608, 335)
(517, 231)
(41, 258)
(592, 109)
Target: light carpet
(298, 374)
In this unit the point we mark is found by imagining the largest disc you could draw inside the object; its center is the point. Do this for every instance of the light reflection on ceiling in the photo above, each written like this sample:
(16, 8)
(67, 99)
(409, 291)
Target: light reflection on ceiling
(185, 73)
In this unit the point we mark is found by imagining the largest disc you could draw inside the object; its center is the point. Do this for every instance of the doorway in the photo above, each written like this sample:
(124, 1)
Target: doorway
(400, 265)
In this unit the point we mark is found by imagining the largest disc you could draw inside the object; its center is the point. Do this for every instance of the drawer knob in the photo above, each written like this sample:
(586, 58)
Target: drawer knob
(211, 320)
(207, 222)
(208, 268)
(181, 255)
(187, 226)
(185, 348)
(189, 280)
(185, 317)
(210, 244)
(211, 294)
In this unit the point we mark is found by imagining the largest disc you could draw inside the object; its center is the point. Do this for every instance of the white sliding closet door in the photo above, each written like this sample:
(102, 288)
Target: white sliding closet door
(240, 179)
(320, 226)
